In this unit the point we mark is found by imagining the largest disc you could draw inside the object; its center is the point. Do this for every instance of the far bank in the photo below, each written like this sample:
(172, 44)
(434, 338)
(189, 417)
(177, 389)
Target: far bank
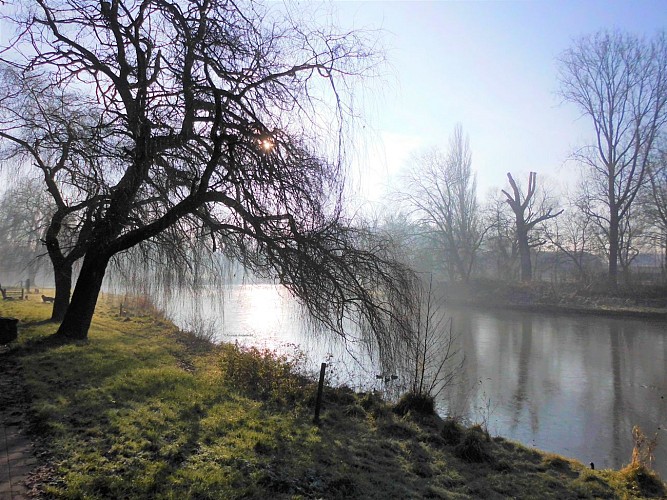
(647, 302)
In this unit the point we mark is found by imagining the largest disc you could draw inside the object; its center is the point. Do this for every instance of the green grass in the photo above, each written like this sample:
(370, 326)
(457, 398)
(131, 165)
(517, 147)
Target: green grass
(142, 410)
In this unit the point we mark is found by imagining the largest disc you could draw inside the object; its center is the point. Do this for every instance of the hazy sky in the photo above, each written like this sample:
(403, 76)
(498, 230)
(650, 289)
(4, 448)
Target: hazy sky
(490, 65)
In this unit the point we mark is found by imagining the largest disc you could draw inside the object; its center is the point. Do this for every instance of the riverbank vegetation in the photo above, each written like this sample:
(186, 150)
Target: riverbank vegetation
(641, 301)
(148, 411)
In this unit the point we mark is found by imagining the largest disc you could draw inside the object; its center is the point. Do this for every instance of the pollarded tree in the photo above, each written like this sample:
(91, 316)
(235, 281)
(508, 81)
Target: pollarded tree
(529, 211)
(620, 82)
(441, 191)
(214, 110)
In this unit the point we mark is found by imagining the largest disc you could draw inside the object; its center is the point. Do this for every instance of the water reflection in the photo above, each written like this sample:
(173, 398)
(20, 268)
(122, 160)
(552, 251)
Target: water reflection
(520, 400)
(266, 316)
(571, 385)
(617, 405)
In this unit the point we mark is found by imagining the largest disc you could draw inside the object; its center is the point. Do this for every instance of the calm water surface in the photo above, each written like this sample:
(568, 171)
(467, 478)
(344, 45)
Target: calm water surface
(574, 385)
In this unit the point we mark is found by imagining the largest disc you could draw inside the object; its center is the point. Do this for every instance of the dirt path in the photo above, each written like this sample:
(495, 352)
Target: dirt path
(17, 458)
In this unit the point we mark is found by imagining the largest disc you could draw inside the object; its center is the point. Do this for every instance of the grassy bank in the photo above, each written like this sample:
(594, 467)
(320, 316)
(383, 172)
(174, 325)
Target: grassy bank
(142, 410)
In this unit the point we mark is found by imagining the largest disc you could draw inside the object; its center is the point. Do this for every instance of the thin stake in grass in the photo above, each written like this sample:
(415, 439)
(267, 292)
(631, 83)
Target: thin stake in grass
(320, 389)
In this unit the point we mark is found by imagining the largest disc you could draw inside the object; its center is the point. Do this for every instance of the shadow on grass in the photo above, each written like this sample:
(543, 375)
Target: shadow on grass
(40, 344)
(39, 323)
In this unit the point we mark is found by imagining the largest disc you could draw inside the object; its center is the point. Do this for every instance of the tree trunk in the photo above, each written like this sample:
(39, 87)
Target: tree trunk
(80, 312)
(63, 278)
(32, 273)
(524, 254)
(613, 250)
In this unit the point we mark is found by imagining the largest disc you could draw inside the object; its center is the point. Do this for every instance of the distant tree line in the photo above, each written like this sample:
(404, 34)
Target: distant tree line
(617, 212)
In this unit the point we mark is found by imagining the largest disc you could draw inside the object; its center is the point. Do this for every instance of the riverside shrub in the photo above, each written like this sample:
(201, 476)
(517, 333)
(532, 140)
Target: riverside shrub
(263, 373)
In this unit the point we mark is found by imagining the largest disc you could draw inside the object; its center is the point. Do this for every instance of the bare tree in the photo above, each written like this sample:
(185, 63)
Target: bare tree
(55, 134)
(415, 248)
(529, 210)
(432, 358)
(620, 82)
(441, 191)
(572, 236)
(213, 113)
(654, 202)
(632, 236)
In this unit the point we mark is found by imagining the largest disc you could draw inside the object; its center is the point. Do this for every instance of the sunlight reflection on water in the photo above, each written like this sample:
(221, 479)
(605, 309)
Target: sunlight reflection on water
(266, 316)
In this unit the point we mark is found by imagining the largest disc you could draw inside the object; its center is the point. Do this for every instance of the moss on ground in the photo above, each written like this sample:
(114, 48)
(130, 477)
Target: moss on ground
(142, 410)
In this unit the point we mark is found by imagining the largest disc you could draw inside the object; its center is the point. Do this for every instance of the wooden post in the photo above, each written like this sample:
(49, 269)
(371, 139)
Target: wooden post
(320, 389)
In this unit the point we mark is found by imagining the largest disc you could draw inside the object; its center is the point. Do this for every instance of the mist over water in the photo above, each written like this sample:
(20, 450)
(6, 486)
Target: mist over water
(574, 385)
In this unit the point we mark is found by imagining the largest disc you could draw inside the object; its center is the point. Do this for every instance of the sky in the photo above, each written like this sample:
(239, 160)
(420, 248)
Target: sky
(490, 66)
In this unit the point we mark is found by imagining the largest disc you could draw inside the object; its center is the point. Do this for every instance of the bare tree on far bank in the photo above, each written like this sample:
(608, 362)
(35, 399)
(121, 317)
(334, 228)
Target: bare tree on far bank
(530, 209)
(573, 238)
(213, 112)
(441, 192)
(654, 202)
(619, 82)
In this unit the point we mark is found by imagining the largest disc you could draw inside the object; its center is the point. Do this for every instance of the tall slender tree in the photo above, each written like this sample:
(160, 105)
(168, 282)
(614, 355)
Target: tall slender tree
(441, 192)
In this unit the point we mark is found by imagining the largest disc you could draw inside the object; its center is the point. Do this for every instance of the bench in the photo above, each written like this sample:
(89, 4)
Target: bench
(12, 293)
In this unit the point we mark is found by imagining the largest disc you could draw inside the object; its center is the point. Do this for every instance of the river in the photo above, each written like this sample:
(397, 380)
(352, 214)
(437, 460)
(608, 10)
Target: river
(573, 385)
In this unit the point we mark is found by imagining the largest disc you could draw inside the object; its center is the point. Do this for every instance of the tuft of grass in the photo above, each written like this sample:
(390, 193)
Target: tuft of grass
(263, 373)
(452, 431)
(644, 482)
(474, 447)
(412, 402)
(142, 410)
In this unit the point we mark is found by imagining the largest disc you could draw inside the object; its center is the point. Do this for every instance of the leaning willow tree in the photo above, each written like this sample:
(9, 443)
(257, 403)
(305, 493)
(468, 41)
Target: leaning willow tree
(227, 124)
